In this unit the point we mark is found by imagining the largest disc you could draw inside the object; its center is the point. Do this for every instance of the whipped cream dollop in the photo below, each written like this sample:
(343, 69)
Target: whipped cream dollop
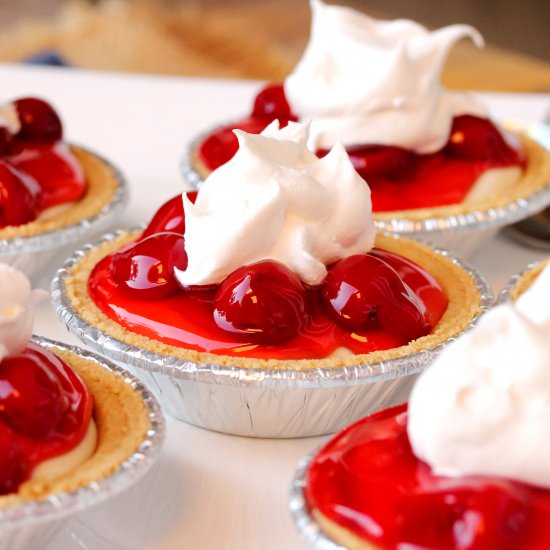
(483, 407)
(276, 200)
(363, 81)
(17, 305)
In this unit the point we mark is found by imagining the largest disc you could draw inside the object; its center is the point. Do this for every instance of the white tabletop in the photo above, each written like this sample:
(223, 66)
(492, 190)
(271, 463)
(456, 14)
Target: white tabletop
(210, 491)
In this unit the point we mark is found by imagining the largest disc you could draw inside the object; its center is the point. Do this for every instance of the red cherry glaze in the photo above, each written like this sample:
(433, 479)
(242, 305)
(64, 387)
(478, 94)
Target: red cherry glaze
(185, 318)
(263, 302)
(58, 173)
(271, 103)
(399, 179)
(146, 267)
(425, 286)
(363, 291)
(5, 140)
(18, 196)
(14, 468)
(45, 411)
(221, 145)
(368, 480)
(477, 138)
(169, 217)
(39, 121)
(391, 163)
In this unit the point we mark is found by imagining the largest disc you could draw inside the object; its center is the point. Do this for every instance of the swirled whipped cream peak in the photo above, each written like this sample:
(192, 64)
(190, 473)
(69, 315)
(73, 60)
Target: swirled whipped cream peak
(17, 304)
(276, 200)
(365, 81)
(483, 407)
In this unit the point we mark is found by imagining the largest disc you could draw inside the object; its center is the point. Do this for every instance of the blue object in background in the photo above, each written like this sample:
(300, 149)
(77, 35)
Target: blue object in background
(48, 57)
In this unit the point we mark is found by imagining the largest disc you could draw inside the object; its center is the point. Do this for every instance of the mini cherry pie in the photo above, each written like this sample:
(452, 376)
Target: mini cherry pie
(367, 490)
(45, 183)
(381, 304)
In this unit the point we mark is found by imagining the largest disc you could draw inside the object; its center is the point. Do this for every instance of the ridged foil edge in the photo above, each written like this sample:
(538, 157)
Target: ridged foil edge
(132, 469)
(73, 232)
(307, 527)
(504, 295)
(249, 377)
(477, 219)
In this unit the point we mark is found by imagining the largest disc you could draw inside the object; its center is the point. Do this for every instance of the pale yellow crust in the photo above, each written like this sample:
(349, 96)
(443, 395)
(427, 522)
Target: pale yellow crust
(527, 280)
(463, 294)
(341, 535)
(122, 422)
(534, 177)
(101, 186)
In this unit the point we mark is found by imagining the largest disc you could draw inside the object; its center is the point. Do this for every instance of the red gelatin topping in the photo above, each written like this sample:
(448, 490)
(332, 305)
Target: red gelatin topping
(271, 103)
(39, 121)
(477, 138)
(262, 313)
(262, 302)
(146, 268)
(45, 410)
(363, 291)
(60, 177)
(368, 480)
(399, 179)
(169, 217)
(38, 154)
(18, 196)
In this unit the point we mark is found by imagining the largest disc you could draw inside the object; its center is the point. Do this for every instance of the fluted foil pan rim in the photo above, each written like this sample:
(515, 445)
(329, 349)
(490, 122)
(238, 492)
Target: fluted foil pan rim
(134, 467)
(259, 377)
(504, 294)
(476, 219)
(306, 525)
(73, 232)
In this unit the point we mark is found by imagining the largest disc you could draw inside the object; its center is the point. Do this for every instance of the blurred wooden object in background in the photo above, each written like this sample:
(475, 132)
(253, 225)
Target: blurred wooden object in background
(216, 38)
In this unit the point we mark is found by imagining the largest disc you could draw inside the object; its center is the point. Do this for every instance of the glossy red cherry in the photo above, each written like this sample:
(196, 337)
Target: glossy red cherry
(271, 103)
(382, 160)
(169, 217)
(368, 479)
(220, 146)
(146, 268)
(18, 196)
(13, 466)
(475, 138)
(39, 121)
(6, 138)
(262, 302)
(32, 402)
(362, 292)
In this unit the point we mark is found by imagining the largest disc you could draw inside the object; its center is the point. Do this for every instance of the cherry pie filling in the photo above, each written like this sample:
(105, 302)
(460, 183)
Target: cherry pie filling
(45, 411)
(367, 302)
(368, 481)
(399, 179)
(37, 169)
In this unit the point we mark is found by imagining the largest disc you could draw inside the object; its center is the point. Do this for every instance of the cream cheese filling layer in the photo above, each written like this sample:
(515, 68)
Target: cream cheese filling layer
(495, 181)
(63, 464)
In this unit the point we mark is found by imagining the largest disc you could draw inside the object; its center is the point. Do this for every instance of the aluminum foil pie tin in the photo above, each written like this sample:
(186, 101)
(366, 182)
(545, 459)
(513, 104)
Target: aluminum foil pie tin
(31, 525)
(463, 234)
(308, 528)
(505, 295)
(32, 254)
(258, 402)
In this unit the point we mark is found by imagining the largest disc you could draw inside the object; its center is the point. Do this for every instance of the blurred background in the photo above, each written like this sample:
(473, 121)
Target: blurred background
(263, 39)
